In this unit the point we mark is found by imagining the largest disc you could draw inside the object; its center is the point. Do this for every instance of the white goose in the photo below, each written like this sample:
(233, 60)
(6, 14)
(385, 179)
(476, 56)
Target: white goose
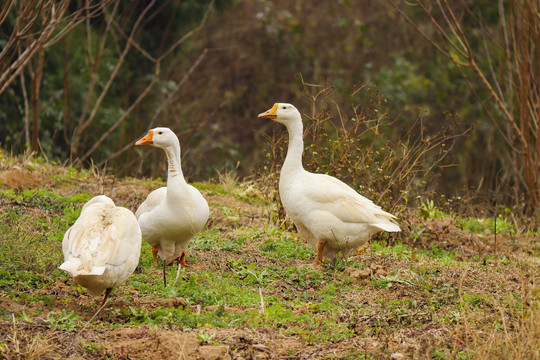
(102, 249)
(171, 215)
(329, 214)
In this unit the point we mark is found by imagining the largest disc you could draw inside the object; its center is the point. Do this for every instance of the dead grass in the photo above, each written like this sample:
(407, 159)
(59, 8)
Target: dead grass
(19, 345)
(515, 332)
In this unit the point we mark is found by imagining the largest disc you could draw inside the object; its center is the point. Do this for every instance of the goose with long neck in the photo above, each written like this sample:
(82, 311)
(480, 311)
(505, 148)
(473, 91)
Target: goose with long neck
(171, 215)
(329, 214)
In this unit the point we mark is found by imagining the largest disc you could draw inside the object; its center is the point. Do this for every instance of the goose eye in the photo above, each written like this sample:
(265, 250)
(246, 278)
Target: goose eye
(284, 107)
(160, 132)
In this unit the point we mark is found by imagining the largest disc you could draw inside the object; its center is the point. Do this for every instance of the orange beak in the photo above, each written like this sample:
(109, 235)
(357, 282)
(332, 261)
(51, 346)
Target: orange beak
(146, 140)
(271, 113)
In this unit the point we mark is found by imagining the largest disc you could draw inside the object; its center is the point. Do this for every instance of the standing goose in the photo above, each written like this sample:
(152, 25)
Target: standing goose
(102, 249)
(329, 214)
(170, 216)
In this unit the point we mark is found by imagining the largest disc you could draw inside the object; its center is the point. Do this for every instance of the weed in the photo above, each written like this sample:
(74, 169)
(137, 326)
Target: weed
(93, 349)
(205, 338)
(443, 355)
(65, 320)
(250, 272)
(439, 253)
(25, 317)
(139, 314)
(48, 301)
(472, 299)
(386, 282)
(428, 210)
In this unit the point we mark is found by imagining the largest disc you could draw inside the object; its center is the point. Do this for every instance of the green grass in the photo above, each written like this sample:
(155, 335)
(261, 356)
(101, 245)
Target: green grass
(44, 199)
(286, 247)
(212, 240)
(483, 225)
(260, 278)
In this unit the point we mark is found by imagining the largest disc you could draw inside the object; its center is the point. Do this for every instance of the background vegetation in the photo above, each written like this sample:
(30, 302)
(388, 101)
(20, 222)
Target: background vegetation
(82, 80)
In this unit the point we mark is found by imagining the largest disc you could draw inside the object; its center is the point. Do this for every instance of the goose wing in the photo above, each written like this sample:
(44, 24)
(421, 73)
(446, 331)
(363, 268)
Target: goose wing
(155, 198)
(336, 197)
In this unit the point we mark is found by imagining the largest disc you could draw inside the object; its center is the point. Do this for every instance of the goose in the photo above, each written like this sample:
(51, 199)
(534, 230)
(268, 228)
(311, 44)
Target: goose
(102, 248)
(170, 216)
(329, 214)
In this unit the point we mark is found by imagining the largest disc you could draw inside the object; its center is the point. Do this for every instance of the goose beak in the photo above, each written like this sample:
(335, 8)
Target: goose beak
(271, 113)
(146, 140)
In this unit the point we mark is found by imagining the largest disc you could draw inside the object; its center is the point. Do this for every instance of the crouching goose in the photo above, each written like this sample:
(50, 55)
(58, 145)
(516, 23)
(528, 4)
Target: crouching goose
(102, 249)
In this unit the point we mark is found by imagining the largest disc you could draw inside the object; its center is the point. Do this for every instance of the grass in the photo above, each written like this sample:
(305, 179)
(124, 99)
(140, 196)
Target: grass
(421, 295)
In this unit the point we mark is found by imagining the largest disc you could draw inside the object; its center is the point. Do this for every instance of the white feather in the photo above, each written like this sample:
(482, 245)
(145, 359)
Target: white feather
(102, 249)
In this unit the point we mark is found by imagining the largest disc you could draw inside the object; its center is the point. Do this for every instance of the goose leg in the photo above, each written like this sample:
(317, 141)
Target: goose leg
(319, 258)
(107, 293)
(177, 274)
(154, 252)
(164, 274)
(182, 260)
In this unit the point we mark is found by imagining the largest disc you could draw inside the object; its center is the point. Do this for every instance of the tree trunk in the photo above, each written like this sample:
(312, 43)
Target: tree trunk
(36, 74)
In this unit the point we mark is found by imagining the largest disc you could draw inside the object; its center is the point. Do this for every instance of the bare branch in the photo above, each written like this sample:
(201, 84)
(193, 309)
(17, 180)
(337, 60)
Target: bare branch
(189, 33)
(5, 11)
(178, 86)
(131, 41)
(117, 67)
(519, 73)
(124, 115)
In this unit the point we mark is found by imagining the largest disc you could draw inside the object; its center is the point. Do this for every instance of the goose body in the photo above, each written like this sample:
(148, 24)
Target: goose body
(170, 216)
(329, 215)
(102, 248)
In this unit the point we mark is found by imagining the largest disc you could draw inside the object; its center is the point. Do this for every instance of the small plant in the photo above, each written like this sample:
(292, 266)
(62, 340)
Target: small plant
(25, 317)
(93, 349)
(65, 320)
(472, 299)
(416, 232)
(386, 282)
(205, 338)
(257, 277)
(428, 210)
(139, 314)
(481, 225)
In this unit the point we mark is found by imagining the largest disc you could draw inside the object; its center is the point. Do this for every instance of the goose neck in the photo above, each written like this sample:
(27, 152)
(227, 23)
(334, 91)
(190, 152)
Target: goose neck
(174, 173)
(293, 160)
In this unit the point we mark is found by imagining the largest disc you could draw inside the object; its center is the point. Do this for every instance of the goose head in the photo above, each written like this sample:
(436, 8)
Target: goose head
(160, 137)
(282, 113)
